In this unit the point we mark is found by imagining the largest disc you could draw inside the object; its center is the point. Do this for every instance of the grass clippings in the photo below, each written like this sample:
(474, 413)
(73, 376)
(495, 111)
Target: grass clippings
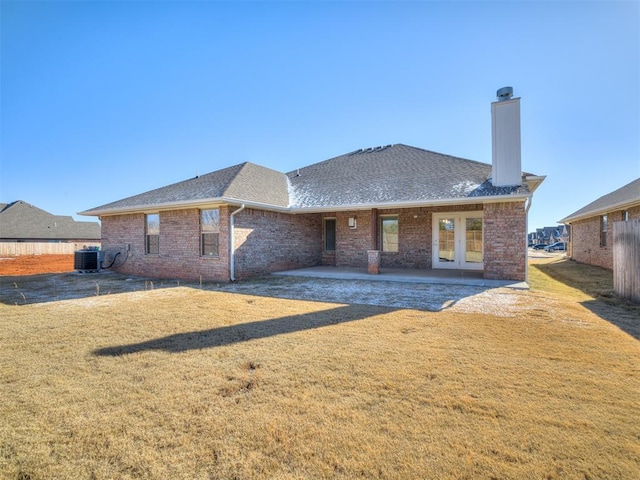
(191, 383)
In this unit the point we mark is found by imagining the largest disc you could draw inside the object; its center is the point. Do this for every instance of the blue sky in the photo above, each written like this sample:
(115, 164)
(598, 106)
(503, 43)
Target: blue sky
(103, 100)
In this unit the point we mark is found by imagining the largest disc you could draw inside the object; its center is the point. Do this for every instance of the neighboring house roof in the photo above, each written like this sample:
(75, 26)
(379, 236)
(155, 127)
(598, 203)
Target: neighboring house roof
(547, 233)
(21, 221)
(394, 175)
(624, 197)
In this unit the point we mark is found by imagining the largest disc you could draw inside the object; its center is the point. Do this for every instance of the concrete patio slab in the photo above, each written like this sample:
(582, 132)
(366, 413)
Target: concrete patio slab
(442, 277)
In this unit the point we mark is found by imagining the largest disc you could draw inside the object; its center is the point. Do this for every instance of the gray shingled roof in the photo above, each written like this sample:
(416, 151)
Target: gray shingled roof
(626, 196)
(393, 174)
(21, 221)
(244, 182)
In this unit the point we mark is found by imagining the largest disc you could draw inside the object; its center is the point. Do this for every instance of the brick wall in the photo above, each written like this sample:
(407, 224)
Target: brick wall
(179, 255)
(270, 242)
(414, 239)
(352, 244)
(584, 245)
(415, 235)
(505, 231)
(265, 242)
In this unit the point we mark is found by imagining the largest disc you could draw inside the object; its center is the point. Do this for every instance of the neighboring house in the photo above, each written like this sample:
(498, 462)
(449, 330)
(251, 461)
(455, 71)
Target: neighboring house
(390, 206)
(549, 235)
(21, 222)
(591, 235)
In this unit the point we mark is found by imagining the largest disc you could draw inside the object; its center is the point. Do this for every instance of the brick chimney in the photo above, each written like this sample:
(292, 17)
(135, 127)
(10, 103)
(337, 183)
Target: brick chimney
(505, 139)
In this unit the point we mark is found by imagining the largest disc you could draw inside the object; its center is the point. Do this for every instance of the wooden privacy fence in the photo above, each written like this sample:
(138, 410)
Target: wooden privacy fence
(10, 249)
(626, 259)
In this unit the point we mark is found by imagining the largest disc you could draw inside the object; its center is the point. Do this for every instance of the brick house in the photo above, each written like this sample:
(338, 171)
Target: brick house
(591, 233)
(549, 235)
(389, 206)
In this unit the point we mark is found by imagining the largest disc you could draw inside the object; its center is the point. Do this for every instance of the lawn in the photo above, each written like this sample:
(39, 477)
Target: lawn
(193, 383)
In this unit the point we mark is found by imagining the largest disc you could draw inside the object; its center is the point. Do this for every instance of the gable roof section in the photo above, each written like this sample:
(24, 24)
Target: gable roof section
(619, 199)
(382, 177)
(390, 175)
(22, 221)
(244, 182)
(257, 184)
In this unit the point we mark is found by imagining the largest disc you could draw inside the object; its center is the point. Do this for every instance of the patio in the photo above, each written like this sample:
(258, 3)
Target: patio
(427, 276)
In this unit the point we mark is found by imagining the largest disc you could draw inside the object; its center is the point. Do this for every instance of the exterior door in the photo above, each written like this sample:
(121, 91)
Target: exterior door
(457, 240)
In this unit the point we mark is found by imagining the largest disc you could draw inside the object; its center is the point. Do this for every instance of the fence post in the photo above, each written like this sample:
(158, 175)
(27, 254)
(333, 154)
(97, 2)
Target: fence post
(626, 260)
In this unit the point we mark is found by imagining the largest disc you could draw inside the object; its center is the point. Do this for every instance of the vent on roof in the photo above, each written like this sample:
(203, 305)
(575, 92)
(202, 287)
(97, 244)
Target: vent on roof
(371, 149)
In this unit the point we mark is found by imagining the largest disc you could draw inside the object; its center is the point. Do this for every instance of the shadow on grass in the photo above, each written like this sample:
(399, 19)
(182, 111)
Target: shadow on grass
(228, 335)
(597, 282)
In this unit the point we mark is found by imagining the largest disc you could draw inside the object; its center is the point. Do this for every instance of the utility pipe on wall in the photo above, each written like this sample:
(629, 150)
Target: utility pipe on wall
(232, 247)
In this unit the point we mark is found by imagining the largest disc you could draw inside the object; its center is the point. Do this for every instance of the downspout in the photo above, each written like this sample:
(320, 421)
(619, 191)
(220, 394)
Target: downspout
(526, 239)
(232, 247)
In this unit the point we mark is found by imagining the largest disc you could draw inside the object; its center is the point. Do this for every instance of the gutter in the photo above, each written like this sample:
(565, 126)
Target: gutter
(232, 247)
(218, 201)
(412, 204)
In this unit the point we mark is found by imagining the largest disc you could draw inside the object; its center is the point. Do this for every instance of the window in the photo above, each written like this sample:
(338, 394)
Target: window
(153, 234)
(209, 232)
(603, 230)
(473, 234)
(329, 234)
(389, 234)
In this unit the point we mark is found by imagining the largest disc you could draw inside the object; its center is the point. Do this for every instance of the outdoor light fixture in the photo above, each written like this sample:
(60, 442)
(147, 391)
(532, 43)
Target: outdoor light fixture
(352, 222)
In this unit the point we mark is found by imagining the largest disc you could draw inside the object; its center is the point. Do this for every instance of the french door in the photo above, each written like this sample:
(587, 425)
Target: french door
(457, 240)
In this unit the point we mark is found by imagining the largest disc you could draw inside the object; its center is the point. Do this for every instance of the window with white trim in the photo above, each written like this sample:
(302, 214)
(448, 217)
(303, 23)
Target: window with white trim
(209, 232)
(389, 230)
(152, 232)
(329, 234)
(603, 230)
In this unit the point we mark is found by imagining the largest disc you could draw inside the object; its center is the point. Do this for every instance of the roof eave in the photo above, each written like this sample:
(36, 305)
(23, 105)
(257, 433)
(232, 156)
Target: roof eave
(219, 201)
(600, 211)
(534, 181)
(205, 202)
(413, 203)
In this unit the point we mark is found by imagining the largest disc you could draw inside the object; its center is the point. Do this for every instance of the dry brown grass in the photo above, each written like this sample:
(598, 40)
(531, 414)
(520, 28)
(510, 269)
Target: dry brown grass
(192, 384)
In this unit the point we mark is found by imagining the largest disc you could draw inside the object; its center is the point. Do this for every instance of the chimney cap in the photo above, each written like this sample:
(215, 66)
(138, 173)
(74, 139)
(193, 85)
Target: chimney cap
(504, 93)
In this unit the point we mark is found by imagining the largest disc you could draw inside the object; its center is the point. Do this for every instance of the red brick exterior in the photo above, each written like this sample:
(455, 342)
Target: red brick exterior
(179, 255)
(584, 244)
(374, 262)
(414, 239)
(352, 244)
(505, 233)
(504, 237)
(264, 242)
(268, 241)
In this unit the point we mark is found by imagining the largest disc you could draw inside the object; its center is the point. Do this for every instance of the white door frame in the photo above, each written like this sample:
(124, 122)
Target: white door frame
(459, 259)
